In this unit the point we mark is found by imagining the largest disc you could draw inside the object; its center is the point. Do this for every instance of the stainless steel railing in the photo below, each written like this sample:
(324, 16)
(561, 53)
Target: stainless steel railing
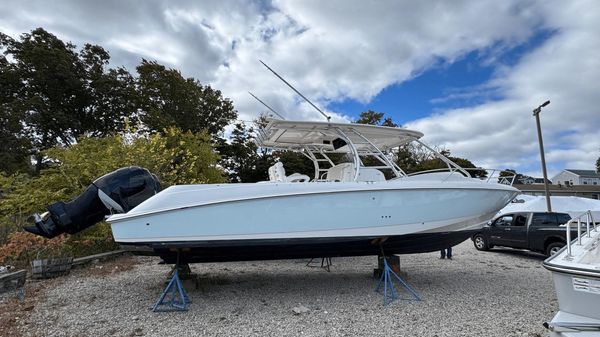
(590, 219)
(491, 175)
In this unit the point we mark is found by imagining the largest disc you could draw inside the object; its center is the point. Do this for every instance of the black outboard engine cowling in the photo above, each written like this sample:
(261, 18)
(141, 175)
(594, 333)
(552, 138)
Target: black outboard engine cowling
(115, 192)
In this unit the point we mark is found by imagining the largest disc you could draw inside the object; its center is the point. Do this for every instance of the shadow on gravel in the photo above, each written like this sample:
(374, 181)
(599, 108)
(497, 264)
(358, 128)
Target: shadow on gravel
(520, 253)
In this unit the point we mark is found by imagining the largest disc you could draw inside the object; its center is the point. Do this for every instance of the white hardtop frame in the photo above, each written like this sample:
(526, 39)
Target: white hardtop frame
(316, 140)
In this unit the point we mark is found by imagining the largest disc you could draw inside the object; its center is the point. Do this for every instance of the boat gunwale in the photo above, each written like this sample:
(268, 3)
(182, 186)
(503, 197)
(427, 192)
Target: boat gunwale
(572, 270)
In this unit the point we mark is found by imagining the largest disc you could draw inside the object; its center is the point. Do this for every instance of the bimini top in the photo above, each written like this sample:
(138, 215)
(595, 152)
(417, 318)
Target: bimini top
(295, 135)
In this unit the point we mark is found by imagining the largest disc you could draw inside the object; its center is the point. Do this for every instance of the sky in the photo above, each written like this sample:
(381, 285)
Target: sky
(465, 73)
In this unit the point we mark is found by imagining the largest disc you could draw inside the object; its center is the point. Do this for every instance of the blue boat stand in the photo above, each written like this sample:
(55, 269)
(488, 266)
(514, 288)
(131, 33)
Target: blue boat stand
(388, 278)
(174, 297)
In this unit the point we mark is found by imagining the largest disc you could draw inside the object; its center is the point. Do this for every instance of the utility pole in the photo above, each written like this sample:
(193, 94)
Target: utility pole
(536, 113)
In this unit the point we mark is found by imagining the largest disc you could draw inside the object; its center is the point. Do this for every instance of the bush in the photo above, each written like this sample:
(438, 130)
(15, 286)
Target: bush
(176, 157)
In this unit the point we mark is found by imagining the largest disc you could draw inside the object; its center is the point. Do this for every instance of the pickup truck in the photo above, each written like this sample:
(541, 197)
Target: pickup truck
(535, 231)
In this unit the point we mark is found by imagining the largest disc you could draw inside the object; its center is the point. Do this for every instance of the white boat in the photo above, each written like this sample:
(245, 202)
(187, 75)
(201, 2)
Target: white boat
(344, 209)
(576, 273)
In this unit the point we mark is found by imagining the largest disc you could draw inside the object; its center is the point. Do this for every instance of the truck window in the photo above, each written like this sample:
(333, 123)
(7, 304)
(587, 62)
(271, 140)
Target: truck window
(544, 219)
(504, 221)
(520, 220)
(563, 218)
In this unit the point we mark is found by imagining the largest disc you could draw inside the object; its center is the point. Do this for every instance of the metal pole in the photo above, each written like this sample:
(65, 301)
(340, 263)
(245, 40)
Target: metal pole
(536, 113)
(569, 239)
(298, 92)
(579, 232)
(265, 104)
(589, 215)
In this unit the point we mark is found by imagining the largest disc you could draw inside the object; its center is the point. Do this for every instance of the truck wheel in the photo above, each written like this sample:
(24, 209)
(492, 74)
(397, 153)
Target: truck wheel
(480, 242)
(553, 248)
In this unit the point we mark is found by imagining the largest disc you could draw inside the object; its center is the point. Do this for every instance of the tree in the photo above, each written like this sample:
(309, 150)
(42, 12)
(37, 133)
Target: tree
(15, 145)
(112, 93)
(56, 95)
(176, 157)
(510, 173)
(598, 165)
(434, 163)
(242, 159)
(375, 118)
(406, 159)
(168, 99)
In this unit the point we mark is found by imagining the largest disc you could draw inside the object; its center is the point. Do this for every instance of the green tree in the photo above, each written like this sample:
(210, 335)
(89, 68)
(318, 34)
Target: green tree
(176, 157)
(242, 159)
(436, 163)
(406, 159)
(15, 145)
(295, 162)
(168, 99)
(375, 118)
(510, 173)
(56, 94)
(598, 165)
(113, 98)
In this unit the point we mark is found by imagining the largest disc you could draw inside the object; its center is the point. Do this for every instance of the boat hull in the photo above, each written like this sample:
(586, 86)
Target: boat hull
(295, 221)
(274, 249)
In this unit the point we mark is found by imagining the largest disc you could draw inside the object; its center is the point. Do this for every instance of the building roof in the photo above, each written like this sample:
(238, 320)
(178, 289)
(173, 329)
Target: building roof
(585, 173)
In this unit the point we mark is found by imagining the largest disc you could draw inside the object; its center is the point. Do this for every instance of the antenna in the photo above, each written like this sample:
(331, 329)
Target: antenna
(298, 92)
(265, 104)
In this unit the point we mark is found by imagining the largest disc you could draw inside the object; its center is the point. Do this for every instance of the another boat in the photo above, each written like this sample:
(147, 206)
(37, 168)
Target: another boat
(576, 273)
(348, 208)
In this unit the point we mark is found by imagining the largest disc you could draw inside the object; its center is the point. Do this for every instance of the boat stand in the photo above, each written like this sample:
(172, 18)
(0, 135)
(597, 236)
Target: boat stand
(325, 263)
(174, 297)
(387, 278)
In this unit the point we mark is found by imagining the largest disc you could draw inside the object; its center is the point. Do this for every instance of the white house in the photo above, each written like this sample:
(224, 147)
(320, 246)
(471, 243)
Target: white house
(569, 177)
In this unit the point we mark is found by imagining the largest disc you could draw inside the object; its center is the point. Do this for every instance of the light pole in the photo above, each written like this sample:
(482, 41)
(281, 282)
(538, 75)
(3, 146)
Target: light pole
(536, 113)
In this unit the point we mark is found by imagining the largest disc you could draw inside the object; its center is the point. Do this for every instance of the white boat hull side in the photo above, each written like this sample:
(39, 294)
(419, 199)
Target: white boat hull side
(578, 295)
(382, 212)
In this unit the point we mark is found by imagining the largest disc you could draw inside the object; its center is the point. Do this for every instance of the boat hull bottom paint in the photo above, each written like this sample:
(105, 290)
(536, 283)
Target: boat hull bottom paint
(276, 249)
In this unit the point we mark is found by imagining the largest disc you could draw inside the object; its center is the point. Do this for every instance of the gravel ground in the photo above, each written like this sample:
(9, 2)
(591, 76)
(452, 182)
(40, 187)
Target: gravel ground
(497, 293)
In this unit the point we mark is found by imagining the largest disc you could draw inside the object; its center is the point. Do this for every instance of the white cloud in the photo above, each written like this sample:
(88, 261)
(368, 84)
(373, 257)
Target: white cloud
(565, 70)
(336, 50)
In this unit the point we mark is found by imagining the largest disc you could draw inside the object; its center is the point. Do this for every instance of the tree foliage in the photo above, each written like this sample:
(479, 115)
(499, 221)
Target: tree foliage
(510, 173)
(169, 99)
(176, 157)
(436, 163)
(242, 159)
(54, 94)
(375, 118)
(413, 157)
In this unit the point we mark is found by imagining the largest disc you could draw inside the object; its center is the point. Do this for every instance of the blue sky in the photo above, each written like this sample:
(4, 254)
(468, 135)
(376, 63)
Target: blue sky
(445, 85)
(465, 73)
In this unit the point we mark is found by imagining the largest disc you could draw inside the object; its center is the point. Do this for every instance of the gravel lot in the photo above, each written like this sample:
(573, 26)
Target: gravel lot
(497, 293)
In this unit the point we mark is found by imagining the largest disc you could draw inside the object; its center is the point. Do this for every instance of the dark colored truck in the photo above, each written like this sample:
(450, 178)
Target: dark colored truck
(535, 231)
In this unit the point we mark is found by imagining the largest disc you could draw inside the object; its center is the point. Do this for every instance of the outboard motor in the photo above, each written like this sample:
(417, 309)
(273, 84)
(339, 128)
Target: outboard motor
(115, 192)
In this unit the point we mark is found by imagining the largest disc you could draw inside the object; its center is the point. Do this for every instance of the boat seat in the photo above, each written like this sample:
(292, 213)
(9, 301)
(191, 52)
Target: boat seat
(277, 174)
(345, 172)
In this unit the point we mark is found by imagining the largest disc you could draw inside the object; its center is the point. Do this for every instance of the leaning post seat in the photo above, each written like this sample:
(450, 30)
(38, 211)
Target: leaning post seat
(277, 174)
(344, 172)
